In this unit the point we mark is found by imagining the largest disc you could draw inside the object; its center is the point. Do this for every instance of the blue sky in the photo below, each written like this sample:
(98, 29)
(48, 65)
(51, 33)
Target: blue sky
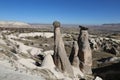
(65, 11)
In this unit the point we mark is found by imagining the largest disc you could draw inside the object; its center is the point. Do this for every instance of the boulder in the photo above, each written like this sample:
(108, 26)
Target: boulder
(98, 78)
(48, 62)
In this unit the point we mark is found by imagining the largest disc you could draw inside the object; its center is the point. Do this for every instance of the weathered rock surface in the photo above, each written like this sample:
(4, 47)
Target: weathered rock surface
(114, 51)
(74, 55)
(8, 74)
(60, 57)
(85, 54)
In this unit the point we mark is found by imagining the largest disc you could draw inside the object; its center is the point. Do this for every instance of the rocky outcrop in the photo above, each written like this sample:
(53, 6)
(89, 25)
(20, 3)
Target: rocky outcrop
(93, 44)
(48, 61)
(60, 56)
(114, 51)
(110, 47)
(105, 44)
(84, 54)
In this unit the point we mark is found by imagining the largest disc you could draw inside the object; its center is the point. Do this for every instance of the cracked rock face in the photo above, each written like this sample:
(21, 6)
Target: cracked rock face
(85, 54)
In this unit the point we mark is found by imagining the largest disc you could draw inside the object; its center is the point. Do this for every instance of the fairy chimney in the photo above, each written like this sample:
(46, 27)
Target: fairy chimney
(84, 54)
(60, 57)
(74, 55)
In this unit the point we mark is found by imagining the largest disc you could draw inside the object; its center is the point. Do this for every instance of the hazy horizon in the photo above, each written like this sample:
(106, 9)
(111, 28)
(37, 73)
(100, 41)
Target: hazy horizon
(35, 23)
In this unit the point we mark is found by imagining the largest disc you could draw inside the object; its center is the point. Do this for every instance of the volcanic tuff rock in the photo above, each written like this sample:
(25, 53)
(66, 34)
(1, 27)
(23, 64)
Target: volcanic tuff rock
(60, 56)
(84, 54)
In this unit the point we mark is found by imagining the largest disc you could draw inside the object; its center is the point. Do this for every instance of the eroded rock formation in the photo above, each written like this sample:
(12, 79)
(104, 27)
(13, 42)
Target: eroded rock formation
(60, 57)
(48, 61)
(74, 55)
(85, 54)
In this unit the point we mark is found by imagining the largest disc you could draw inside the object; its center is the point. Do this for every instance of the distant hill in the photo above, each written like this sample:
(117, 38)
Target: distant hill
(13, 24)
(113, 26)
(105, 28)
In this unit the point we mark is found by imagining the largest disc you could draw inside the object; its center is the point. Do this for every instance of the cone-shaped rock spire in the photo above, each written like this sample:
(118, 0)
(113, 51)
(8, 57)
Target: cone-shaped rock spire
(60, 57)
(84, 54)
(74, 55)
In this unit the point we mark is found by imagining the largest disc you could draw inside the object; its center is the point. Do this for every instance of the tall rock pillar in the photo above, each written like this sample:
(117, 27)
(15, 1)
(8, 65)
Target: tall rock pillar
(60, 57)
(84, 54)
